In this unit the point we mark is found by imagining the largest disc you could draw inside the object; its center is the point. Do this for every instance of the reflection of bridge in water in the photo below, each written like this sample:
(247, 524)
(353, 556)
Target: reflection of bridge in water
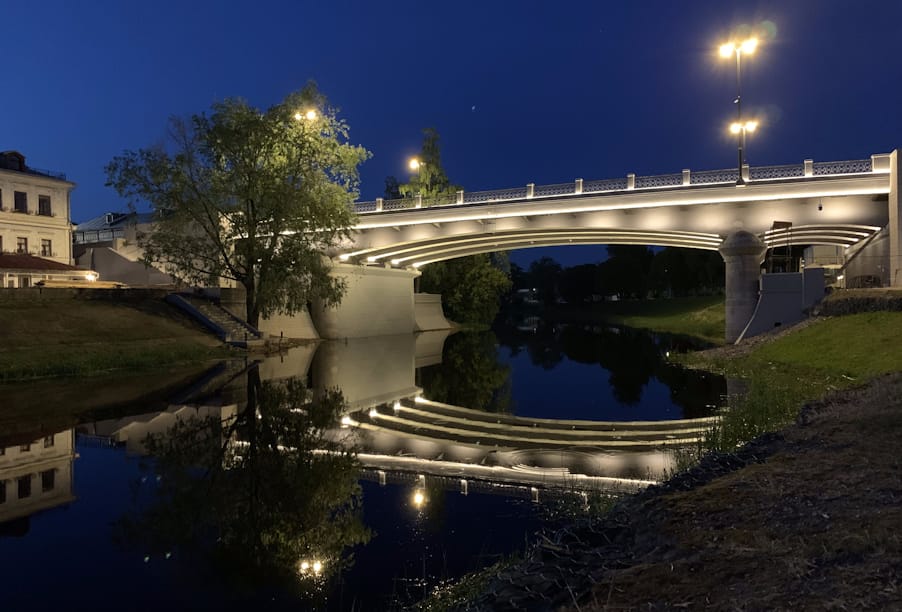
(401, 436)
(446, 440)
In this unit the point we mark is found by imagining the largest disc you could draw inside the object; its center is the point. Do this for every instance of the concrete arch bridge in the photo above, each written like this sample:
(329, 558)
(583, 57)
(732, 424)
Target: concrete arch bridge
(853, 205)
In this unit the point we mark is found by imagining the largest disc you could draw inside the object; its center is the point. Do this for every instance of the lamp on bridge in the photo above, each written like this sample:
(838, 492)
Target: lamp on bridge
(728, 50)
(741, 129)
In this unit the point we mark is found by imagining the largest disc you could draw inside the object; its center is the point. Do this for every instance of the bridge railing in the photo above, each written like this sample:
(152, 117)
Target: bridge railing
(808, 168)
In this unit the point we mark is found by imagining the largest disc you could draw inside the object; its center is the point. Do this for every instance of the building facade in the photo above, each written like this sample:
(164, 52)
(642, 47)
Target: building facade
(35, 473)
(34, 219)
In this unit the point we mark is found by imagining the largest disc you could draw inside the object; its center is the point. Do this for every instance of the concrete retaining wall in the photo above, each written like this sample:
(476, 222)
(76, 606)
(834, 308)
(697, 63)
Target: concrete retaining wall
(784, 300)
(428, 312)
(296, 326)
(378, 302)
(32, 294)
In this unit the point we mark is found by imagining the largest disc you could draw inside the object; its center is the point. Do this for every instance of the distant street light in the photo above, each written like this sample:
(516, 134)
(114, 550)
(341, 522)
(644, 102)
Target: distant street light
(310, 115)
(415, 165)
(728, 50)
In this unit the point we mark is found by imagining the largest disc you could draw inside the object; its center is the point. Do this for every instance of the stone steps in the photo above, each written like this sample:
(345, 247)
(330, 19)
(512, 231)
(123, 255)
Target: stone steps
(224, 324)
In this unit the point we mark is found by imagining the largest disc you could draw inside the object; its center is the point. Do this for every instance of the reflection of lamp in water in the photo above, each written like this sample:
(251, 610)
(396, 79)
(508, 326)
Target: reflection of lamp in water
(314, 567)
(419, 498)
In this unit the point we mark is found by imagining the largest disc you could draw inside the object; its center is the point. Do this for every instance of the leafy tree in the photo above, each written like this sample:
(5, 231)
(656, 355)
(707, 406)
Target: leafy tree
(253, 197)
(626, 270)
(429, 180)
(577, 283)
(470, 374)
(255, 494)
(545, 273)
(392, 189)
(470, 287)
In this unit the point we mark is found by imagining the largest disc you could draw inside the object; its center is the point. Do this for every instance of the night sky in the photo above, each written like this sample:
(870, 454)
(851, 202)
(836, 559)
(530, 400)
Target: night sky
(520, 91)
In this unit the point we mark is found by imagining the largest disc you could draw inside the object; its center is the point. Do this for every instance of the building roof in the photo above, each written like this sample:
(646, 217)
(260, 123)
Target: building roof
(21, 261)
(15, 161)
(112, 219)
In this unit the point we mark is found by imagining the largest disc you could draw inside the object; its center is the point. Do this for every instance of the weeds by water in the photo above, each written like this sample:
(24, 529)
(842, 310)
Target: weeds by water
(449, 595)
(781, 376)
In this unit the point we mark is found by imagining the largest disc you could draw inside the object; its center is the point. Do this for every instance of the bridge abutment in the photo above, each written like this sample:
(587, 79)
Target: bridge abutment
(378, 302)
(895, 222)
(742, 253)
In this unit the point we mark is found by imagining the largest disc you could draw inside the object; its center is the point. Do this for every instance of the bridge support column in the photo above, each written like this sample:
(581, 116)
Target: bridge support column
(742, 253)
(895, 221)
(378, 302)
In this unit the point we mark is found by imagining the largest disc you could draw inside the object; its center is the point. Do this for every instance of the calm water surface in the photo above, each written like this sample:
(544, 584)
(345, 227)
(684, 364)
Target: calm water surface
(244, 486)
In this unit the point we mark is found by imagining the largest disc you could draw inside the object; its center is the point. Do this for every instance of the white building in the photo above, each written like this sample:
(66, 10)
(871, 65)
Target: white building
(35, 224)
(35, 473)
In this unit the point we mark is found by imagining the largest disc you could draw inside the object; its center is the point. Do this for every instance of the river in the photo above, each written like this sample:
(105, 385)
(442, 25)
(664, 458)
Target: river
(355, 475)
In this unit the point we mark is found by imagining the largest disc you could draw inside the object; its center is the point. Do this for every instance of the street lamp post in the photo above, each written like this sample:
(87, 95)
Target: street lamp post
(728, 50)
(741, 129)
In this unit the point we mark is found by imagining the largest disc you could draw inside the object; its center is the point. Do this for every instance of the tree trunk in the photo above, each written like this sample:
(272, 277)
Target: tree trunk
(251, 306)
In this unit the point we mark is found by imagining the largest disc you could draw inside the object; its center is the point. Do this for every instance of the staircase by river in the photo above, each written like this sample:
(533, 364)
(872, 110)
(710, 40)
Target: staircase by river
(220, 321)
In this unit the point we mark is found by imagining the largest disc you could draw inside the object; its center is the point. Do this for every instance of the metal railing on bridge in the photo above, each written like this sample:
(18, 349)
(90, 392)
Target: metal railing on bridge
(807, 168)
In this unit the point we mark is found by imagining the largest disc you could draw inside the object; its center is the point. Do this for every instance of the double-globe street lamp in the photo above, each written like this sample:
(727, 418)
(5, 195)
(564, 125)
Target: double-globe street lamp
(740, 128)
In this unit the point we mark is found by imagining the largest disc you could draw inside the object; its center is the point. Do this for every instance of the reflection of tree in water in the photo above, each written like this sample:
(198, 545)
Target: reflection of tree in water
(469, 375)
(631, 356)
(251, 492)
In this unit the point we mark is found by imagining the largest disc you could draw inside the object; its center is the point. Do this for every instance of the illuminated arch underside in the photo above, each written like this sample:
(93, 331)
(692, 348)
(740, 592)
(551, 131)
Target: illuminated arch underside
(422, 252)
(836, 235)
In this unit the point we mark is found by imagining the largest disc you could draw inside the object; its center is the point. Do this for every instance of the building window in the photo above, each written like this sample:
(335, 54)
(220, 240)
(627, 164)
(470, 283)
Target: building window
(25, 448)
(2, 450)
(46, 248)
(21, 201)
(44, 206)
(24, 483)
(48, 441)
(21, 244)
(2, 491)
(47, 477)
(1, 244)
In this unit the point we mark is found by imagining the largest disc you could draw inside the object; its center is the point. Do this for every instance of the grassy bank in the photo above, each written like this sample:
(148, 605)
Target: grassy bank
(778, 377)
(702, 317)
(50, 338)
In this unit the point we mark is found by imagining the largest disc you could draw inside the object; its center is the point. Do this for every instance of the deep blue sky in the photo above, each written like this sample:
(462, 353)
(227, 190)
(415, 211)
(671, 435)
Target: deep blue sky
(525, 91)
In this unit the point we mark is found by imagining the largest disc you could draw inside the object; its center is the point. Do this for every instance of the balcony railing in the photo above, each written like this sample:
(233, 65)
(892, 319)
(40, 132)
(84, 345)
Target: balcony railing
(630, 183)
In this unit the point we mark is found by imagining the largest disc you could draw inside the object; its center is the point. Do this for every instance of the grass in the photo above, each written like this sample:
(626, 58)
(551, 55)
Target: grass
(702, 317)
(780, 376)
(74, 338)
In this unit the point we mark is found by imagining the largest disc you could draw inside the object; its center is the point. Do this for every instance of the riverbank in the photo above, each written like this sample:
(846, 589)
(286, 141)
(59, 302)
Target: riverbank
(803, 518)
(48, 337)
(701, 317)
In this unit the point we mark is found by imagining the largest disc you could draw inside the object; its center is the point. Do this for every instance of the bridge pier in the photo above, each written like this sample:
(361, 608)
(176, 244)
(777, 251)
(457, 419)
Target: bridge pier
(742, 253)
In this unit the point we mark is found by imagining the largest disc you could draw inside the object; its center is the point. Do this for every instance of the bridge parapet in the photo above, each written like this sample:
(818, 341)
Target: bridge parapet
(876, 164)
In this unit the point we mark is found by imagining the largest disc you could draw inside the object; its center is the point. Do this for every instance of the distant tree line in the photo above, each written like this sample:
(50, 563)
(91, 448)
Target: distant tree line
(630, 272)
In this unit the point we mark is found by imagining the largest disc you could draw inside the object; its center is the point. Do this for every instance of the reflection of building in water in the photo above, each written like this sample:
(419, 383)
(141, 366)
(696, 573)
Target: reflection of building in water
(35, 473)
(132, 431)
